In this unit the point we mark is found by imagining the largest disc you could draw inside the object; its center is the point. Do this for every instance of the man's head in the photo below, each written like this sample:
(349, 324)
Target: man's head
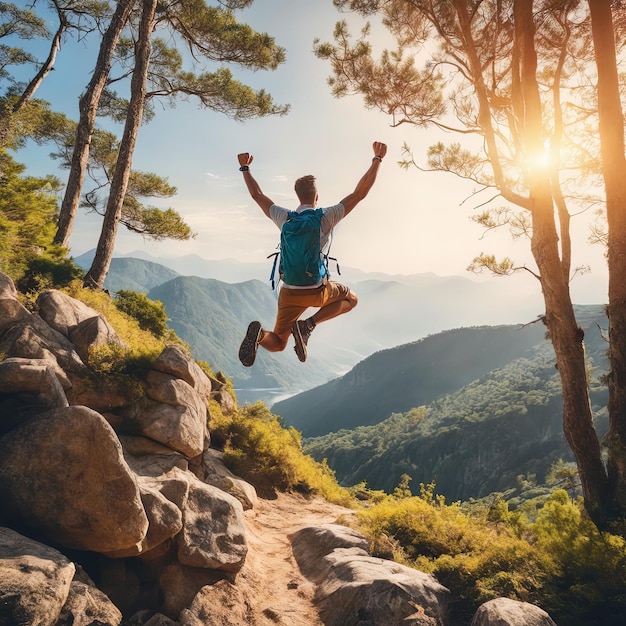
(306, 190)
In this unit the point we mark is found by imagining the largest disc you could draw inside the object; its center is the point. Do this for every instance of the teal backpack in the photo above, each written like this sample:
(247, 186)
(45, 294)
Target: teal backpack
(301, 260)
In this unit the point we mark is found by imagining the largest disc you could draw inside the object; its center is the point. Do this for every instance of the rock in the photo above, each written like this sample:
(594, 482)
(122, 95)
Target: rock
(214, 530)
(93, 333)
(34, 581)
(378, 592)
(213, 526)
(224, 601)
(32, 338)
(174, 415)
(62, 312)
(12, 312)
(355, 588)
(506, 612)
(165, 520)
(88, 606)
(312, 543)
(174, 361)
(7, 287)
(179, 584)
(217, 474)
(62, 474)
(27, 387)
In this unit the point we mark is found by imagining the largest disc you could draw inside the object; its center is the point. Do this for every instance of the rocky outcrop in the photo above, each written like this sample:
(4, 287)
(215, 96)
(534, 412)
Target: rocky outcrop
(63, 476)
(115, 510)
(110, 476)
(354, 587)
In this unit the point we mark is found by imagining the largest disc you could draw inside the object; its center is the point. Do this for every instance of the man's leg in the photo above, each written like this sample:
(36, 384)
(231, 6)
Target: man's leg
(291, 305)
(335, 299)
(273, 342)
(346, 302)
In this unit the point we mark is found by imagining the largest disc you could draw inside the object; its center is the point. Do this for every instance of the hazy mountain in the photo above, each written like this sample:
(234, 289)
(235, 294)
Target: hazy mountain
(212, 317)
(415, 374)
(129, 273)
(391, 311)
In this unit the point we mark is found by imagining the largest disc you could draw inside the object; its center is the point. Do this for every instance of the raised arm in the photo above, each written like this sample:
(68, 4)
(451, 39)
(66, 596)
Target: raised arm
(245, 159)
(366, 182)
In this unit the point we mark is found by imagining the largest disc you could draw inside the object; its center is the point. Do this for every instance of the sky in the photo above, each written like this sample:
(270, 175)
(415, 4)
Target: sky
(411, 221)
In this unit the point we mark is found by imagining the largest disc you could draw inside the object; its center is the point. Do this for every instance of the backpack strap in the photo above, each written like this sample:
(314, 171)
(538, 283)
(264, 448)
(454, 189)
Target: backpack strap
(326, 256)
(276, 256)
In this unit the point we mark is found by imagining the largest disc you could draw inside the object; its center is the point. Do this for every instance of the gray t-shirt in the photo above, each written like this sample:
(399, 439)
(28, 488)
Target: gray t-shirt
(330, 218)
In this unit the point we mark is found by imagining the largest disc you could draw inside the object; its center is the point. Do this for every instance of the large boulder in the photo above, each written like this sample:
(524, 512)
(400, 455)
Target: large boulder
(378, 592)
(63, 475)
(81, 324)
(176, 362)
(27, 387)
(34, 581)
(355, 588)
(62, 312)
(214, 529)
(32, 338)
(173, 414)
(213, 533)
(507, 612)
(312, 543)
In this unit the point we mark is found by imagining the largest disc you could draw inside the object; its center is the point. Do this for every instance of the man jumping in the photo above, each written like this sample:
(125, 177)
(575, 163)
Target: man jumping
(329, 297)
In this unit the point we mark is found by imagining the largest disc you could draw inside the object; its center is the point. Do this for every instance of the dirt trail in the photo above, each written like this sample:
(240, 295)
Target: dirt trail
(276, 591)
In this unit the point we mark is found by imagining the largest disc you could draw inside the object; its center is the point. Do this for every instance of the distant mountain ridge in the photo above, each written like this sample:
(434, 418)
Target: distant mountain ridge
(392, 311)
(418, 373)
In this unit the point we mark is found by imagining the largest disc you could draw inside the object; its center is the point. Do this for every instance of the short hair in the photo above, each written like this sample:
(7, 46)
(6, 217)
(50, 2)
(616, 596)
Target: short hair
(306, 189)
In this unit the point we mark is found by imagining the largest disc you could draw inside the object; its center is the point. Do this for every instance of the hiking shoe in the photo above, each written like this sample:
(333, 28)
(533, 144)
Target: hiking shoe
(301, 333)
(250, 344)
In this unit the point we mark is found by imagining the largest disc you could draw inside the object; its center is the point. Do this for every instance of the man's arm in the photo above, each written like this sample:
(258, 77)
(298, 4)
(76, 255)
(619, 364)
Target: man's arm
(245, 159)
(365, 184)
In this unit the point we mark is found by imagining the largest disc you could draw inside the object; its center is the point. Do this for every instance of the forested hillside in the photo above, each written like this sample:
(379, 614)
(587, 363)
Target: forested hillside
(408, 376)
(470, 441)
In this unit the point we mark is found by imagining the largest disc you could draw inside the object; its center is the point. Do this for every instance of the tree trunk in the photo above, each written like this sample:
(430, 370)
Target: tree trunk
(614, 172)
(119, 183)
(88, 107)
(565, 335)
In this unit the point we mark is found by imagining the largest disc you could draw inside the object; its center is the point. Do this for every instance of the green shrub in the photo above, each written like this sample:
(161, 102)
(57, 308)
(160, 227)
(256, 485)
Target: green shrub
(47, 272)
(260, 449)
(150, 314)
(589, 585)
(560, 561)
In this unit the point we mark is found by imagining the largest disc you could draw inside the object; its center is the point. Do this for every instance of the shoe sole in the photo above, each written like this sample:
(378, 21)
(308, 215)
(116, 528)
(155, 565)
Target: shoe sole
(300, 347)
(249, 346)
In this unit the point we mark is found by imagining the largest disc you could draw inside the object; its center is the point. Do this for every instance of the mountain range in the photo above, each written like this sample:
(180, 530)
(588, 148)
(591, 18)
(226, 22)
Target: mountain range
(211, 303)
